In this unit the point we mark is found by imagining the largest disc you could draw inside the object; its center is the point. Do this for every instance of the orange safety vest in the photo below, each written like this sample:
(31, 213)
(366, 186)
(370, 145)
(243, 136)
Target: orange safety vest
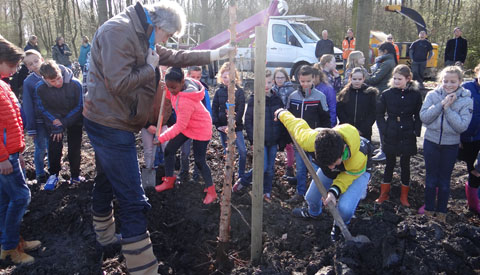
(348, 47)
(397, 51)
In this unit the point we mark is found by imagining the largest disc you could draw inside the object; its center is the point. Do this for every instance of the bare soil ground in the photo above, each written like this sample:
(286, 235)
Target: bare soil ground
(184, 231)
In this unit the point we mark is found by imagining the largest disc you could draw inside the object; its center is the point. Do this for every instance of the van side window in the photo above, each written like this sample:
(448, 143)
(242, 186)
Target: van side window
(283, 35)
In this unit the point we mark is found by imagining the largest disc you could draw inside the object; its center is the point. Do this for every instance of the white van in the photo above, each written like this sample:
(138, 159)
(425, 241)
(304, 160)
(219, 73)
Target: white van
(290, 44)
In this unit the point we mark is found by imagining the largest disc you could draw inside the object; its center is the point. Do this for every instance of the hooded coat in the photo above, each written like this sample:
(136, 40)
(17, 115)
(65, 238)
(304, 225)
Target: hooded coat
(379, 79)
(403, 124)
(219, 107)
(11, 126)
(445, 126)
(65, 103)
(473, 132)
(358, 109)
(193, 119)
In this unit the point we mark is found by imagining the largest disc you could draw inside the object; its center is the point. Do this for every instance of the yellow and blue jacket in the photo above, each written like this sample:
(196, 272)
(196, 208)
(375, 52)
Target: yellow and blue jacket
(350, 169)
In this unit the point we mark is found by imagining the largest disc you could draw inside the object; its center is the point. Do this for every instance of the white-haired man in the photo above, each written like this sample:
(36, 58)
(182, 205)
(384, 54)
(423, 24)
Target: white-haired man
(121, 87)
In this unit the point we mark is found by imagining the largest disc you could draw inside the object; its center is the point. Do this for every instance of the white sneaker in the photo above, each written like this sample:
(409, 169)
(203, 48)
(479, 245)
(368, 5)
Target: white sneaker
(380, 156)
(51, 182)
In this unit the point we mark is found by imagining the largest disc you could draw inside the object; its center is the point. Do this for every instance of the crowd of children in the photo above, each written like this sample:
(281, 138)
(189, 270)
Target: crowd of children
(331, 119)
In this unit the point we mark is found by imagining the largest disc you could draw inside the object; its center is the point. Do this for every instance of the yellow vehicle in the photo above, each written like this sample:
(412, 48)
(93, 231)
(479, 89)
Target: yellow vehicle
(378, 37)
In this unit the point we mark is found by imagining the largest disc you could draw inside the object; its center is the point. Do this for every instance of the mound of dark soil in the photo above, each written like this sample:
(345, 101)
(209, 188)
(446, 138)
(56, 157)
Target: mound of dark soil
(184, 231)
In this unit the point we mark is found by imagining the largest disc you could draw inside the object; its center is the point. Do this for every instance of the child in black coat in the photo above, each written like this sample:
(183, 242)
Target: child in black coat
(402, 103)
(273, 130)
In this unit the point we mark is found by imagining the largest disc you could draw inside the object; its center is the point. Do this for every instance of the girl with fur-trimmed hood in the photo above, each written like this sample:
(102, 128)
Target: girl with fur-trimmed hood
(402, 103)
(356, 103)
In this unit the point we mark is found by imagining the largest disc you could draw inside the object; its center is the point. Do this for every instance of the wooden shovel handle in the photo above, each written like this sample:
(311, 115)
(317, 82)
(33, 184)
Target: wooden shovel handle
(160, 113)
(332, 208)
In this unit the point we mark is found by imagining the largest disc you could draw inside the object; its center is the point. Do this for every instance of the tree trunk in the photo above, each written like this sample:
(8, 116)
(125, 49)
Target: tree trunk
(205, 33)
(102, 12)
(19, 24)
(225, 198)
(364, 23)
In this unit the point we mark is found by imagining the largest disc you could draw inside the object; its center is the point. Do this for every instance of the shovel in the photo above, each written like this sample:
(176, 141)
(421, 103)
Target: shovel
(149, 174)
(332, 208)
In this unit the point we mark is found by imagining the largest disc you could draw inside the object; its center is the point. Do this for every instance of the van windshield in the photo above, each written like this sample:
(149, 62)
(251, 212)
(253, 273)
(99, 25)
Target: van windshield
(305, 33)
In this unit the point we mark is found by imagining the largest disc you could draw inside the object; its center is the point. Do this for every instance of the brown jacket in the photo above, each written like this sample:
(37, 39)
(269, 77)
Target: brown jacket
(121, 85)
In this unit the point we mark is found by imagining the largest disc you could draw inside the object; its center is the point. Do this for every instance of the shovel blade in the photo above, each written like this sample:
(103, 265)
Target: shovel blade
(360, 239)
(148, 177)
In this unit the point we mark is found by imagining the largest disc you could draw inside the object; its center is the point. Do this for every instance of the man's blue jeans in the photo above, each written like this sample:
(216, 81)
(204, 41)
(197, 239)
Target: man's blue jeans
(270, 152)
(439, 163)
(118, 174)
(348, 200)
(14, 199)
(302, 172)
(41, 147)
(241, 149)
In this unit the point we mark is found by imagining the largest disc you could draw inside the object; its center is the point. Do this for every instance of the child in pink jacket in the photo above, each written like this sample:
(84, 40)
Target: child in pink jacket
(194, 122)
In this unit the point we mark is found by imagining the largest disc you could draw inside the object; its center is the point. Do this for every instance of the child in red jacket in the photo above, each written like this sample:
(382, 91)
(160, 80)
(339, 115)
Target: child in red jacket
(14, 192)
(194, 122)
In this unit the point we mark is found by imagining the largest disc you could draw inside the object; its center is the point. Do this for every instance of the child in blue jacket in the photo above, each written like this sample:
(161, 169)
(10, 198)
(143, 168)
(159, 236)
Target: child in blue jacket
(60, 100)
(33, 118)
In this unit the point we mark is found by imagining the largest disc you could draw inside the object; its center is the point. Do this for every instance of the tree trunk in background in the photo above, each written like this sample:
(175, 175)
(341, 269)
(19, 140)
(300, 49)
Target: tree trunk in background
(364, 24)
(355, 15)
(74, 28)
(110, 9)
(204, 19)
(19, 23)
(92, 13)
(102, 12)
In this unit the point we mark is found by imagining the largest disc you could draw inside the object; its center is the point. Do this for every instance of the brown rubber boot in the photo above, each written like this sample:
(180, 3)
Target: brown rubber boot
(29, 245)
(384, 190)
(17, 255)
(404, 196)
(104, 227)
(138, 252)
(168, 183)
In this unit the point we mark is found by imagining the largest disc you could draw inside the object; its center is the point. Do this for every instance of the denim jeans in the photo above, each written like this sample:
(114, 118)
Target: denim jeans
(270, 152)
(118, 174)
(348, 200)
(185, 158)
(302, 172)
(41, 147)
(199, 154)
(439, 163)
(418, 68)
(14, 199)
(241, 148)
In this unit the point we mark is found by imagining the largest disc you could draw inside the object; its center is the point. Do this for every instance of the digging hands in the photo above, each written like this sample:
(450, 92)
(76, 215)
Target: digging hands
(277, 113)
(330, 198)
(152, 58)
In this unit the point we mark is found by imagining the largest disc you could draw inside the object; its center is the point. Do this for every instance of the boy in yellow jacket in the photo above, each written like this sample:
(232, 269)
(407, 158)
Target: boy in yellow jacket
(342, 156)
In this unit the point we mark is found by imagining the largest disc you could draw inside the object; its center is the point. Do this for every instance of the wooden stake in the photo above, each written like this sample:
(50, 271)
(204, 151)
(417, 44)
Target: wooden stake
(225, 198)
(258, 142)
